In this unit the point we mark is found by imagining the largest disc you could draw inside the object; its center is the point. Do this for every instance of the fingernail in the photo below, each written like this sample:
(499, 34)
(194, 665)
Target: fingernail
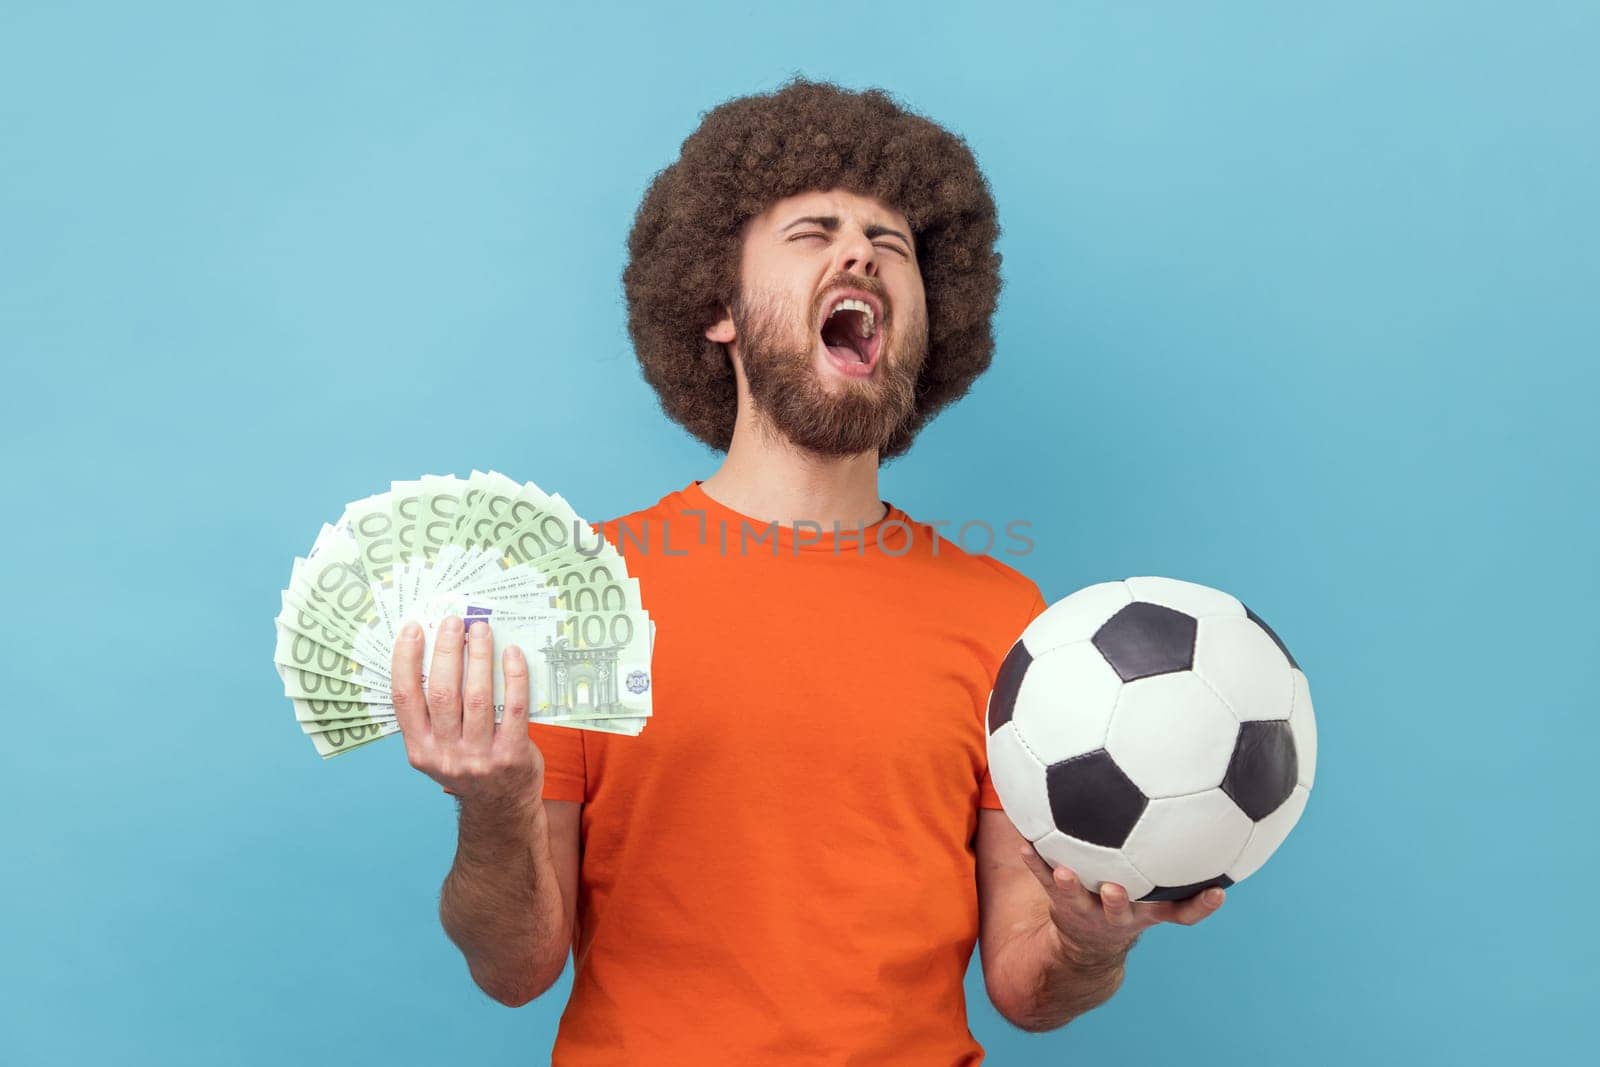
(410, 632)
(1213, 897)
(451, 625)
(480, 629)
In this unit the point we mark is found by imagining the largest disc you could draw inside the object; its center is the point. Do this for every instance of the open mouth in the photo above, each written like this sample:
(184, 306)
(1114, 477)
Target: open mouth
(850, 333)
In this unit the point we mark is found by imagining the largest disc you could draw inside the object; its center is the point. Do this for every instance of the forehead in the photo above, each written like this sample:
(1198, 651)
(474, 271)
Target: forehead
(848, 206)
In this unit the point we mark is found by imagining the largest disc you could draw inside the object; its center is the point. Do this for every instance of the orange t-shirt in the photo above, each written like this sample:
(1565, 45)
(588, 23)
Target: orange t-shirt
(780, 868)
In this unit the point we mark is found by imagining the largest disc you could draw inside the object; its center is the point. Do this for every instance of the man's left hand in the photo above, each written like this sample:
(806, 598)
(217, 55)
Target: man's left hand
(1105, 924)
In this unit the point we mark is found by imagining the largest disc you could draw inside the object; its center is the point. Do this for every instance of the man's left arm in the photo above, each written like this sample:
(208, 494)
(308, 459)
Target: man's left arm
(1051, 949)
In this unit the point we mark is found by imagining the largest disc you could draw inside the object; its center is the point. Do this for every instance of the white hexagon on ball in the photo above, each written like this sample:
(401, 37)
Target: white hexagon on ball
(1018, 778)
(1303, 723)
(1196, 601)
(1268, 834)
(1245, 666)
(1172, 735)
(1065, 702)
(1180, 841)
(1093, 865)
(1075, 618)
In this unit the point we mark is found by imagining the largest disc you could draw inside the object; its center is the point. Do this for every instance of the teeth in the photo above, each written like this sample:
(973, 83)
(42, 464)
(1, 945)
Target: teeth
(869, 324)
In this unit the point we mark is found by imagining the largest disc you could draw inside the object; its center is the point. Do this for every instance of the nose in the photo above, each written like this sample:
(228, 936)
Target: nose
(857, 254)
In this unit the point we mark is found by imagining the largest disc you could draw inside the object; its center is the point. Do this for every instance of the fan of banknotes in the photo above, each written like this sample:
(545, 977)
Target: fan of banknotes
(483, 547)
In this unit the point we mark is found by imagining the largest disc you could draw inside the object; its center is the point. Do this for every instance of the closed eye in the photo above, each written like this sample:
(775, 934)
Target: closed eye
(888, 246)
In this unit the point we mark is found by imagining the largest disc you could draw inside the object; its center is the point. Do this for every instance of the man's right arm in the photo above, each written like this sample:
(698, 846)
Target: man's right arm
(509, 899)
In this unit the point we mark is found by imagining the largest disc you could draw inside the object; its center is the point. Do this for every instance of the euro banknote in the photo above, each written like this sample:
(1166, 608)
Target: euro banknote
(481, 547)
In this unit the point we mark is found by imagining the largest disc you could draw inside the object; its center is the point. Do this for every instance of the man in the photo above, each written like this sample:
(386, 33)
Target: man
(792, 862)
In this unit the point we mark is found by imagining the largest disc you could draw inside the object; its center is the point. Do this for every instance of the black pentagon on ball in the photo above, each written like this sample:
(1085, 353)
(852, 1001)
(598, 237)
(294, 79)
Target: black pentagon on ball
(1144, 639)
(1184, 892)
(1092, 800)
(1003, 700)
(1264, 767)
(1257, 619)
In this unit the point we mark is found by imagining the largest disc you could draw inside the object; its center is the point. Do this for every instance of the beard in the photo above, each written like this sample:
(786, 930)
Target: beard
(779, 352)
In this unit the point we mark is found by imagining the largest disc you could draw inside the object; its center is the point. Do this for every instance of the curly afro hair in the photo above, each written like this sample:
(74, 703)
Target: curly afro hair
(750, 152)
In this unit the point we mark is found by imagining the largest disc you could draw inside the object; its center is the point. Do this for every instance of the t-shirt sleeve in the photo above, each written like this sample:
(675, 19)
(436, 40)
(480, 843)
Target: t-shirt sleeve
(562, 747)
(987, 797)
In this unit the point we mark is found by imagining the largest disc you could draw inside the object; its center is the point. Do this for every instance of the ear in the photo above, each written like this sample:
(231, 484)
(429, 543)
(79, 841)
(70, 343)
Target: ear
(722, 330)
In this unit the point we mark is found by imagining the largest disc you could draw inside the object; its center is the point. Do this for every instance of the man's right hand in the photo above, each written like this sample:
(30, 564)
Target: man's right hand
(508, 902)
(450, 732)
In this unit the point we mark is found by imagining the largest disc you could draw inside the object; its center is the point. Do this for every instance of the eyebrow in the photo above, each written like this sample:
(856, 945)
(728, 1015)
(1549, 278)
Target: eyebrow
(831, 224)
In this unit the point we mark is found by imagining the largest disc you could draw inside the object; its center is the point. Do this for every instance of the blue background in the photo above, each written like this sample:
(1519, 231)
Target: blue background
(1298, 304)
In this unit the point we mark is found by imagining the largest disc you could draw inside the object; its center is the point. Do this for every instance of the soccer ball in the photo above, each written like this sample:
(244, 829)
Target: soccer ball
(1153, 733)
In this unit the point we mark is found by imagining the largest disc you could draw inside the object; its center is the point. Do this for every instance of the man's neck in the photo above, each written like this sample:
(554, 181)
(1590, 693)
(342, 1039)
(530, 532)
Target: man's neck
(769, 479)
